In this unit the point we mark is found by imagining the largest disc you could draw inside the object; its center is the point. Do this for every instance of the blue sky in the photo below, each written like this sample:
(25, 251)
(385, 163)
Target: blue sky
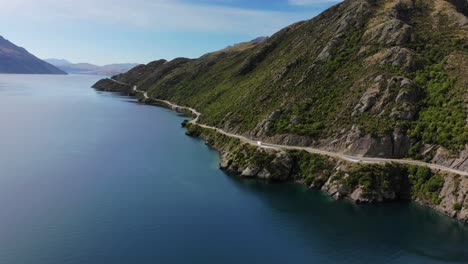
(113, 31)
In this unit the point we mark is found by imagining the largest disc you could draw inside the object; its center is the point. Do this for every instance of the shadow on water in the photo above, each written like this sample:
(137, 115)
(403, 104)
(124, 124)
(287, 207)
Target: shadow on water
(400, 226)
(397, 231)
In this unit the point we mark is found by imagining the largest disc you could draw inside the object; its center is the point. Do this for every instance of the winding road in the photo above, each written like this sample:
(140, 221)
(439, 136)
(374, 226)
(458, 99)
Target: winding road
(351, 158)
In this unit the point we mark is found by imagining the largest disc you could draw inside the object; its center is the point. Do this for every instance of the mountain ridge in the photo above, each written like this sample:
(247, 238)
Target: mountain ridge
(14, 59)
(315, 65)
(372, 78)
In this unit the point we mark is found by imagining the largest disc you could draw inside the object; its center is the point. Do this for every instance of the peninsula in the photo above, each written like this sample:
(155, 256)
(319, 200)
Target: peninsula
(367, 101)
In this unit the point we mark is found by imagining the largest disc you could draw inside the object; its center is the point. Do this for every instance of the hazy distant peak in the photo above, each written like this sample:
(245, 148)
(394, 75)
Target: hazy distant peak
(57, 61)
(88, 68)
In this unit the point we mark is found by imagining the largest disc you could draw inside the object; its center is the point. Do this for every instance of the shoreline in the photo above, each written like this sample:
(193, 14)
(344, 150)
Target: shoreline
(330, 188)
(356, 159)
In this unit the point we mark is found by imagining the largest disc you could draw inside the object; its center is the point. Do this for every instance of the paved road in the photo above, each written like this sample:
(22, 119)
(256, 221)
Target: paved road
(351, 158)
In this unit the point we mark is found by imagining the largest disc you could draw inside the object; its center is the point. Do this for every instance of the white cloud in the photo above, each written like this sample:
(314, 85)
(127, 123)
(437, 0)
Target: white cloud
(151, 14)
(311, 2)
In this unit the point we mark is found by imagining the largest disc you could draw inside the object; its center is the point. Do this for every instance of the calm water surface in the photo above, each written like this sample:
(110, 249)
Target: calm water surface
(92, 178)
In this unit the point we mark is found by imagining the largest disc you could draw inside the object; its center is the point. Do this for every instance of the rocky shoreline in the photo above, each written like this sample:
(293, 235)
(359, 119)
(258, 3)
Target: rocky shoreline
(443, 192)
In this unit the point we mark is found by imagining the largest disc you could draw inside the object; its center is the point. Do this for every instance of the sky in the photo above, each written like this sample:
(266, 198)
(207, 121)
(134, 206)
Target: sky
(140, 31)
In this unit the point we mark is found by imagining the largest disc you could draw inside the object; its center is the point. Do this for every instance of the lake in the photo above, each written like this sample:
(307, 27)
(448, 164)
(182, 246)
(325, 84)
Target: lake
(89, 177)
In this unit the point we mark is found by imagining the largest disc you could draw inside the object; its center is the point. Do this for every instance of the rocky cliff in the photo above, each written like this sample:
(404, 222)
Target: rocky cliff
(446, 193)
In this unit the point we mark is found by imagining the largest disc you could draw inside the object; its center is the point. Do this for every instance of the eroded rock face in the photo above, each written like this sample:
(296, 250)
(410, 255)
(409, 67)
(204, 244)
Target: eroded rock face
(448, 159)
(369, 98)
(338, 186)
(454, 197)
(293, 140)
(408, 92)
(354, 142)
(345, 23)
(335, 188)
(390, 28)
(391, 145)
(394, 56)
(249, 172)
(278, 169)
(404, 111)
(383, 90)
(390, 32)
(360, 196)
(264, 127)
(226, 163)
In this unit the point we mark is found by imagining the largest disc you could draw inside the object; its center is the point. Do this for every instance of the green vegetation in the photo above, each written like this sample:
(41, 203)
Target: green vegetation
(108, 85)
(214, 139)
(457, 206)
(407, 182)
(308, 79)
(442, 119)
(312, 169)
(382, 178)
(242, 155)
(378, 67)
(320, 95)
(391, 180)
(426, 185)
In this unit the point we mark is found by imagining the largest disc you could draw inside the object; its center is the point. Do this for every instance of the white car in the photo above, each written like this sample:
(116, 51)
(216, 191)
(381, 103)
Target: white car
(259, 143)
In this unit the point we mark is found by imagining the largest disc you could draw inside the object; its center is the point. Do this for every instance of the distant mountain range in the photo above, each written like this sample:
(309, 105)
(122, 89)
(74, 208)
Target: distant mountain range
(14, 59)
(87, 68)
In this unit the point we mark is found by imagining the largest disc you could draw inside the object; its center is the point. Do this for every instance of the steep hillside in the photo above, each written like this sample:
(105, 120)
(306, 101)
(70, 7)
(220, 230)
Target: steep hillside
(14, 59)
(384, 78)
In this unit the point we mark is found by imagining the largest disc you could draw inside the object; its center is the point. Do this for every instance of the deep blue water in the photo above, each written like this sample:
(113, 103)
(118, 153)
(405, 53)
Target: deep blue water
(93, 178)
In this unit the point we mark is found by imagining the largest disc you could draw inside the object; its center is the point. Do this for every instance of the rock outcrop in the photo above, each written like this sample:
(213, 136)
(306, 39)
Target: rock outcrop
(454, 197)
